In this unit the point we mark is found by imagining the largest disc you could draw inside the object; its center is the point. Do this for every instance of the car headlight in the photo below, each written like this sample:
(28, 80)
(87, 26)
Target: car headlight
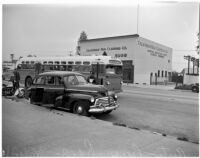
(92, 99)
(115, 96)
(107, 83)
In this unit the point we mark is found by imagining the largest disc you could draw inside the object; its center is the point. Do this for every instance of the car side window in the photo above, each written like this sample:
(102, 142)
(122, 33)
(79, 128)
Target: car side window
(40, 80)
(58, 80)
(50, 80)
(70, 80)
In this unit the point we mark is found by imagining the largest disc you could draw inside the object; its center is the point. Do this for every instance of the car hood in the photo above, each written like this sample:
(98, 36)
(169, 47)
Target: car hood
(88, 88)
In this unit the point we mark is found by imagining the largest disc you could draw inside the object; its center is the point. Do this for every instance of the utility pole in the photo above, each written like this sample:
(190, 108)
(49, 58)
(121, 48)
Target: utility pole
(138, 6)
(188, 58)
(193, 59)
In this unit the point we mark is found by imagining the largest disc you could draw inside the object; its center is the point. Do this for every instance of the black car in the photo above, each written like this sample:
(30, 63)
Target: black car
(71, 91)
(195, 88)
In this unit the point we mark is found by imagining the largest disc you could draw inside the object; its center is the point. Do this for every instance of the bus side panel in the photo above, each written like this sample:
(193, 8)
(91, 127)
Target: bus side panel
(24, 73)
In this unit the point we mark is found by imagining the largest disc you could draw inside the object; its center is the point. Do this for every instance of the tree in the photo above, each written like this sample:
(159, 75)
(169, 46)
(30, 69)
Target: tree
(104, 53)
(83, 36)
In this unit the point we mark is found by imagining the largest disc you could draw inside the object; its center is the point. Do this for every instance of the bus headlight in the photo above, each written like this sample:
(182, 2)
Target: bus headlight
(121, 82)
(92, 99)
(107, 83)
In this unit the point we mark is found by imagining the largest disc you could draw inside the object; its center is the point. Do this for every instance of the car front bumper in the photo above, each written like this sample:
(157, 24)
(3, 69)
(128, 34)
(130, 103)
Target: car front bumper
(101, 109)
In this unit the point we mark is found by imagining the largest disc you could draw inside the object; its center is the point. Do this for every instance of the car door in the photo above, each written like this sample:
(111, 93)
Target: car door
(69, 81)
(37, 90)
(54, 87)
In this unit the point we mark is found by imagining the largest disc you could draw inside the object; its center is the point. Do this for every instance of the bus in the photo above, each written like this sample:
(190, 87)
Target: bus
(100, 70)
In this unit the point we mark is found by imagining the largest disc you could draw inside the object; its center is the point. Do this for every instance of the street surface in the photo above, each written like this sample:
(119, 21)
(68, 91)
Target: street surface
(31, 130)
(170, 112)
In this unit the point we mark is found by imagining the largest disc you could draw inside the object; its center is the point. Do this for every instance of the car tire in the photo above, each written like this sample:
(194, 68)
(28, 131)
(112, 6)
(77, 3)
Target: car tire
(108, 112)
(80, 108)
(28, 82)
(194, 89)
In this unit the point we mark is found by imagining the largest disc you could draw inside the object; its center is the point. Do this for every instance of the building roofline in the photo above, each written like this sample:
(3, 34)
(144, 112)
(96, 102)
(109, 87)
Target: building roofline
(108, 38)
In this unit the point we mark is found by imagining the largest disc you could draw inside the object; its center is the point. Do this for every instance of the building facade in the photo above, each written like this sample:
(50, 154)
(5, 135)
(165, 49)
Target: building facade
(144, 61)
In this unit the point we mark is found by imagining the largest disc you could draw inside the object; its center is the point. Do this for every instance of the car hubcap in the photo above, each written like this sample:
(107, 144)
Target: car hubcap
(79, 109)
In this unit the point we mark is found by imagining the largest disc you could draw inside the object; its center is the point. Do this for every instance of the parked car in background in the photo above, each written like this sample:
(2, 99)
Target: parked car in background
(70, 90)
(195, 88)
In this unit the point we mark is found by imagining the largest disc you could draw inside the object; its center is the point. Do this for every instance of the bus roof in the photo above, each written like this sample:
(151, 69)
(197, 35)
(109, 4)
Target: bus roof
(91, 59)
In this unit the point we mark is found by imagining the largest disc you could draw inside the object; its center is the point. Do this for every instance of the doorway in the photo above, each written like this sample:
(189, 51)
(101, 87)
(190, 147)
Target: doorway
(128, 71)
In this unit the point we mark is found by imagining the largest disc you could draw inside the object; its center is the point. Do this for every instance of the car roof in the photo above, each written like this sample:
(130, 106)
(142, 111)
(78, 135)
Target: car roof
(59, 73)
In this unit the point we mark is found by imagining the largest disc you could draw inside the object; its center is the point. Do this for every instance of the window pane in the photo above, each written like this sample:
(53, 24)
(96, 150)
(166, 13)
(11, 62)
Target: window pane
(81, 80)
(78, 62)
(70, 80)
(50, 80)
(86, 63)
(40, 80)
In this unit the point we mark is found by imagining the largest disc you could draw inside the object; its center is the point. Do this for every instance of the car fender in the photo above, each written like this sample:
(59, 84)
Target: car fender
(74, 97)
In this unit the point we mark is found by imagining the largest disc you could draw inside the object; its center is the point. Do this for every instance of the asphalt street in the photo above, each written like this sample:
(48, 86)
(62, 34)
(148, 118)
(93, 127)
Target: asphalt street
(31, 130)
(170, 112)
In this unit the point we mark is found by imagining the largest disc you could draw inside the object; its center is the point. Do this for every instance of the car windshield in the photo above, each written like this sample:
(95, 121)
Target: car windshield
(75, 80)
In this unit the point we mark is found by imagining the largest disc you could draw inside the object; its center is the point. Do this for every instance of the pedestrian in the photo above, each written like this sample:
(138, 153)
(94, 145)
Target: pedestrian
(16, 79)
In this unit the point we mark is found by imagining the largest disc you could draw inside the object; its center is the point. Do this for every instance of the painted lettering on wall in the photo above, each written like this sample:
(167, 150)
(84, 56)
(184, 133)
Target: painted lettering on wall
(106, 49)
(156, 53)
(153, 50)
(142, 44)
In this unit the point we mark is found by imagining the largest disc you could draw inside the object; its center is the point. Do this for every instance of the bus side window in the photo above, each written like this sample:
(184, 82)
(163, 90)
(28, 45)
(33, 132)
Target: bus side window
(69, 68)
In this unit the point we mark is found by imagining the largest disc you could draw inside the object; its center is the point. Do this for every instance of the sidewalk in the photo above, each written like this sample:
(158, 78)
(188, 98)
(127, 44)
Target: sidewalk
(30, 130)
(162, 87)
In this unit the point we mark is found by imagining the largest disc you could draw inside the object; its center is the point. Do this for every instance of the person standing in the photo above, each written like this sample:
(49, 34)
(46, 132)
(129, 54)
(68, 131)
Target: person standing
(16, 79)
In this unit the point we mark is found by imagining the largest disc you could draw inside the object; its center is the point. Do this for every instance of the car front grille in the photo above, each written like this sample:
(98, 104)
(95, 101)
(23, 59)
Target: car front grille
(106, 101)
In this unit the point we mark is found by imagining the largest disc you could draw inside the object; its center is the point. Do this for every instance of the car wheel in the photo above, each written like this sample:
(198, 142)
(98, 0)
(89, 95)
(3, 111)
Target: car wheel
(80, 108)
(108, 112)
(28, 82)
(194, 89)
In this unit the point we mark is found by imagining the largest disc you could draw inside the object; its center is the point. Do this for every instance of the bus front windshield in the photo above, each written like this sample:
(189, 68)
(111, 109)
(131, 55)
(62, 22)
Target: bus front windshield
(114, 69)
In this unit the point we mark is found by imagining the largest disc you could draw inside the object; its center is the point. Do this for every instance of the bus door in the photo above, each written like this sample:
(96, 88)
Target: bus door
(97, 73)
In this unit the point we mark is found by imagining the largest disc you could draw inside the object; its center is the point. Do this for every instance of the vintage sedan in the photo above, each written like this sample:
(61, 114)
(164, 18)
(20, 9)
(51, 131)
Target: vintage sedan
(71, 91)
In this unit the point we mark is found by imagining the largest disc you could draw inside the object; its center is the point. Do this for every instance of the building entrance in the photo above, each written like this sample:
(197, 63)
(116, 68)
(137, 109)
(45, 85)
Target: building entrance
(128, 71)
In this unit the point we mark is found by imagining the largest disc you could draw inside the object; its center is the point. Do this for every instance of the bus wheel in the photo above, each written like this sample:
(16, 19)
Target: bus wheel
(28, 82)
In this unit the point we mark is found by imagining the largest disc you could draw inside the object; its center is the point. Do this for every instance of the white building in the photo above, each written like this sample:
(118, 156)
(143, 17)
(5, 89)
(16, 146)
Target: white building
(144, 61)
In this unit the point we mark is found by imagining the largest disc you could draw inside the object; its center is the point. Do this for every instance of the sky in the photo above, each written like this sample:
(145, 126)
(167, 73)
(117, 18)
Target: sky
(54, 29)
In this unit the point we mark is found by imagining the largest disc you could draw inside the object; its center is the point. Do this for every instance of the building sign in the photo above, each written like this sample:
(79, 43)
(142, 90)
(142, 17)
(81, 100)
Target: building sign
(106, 49)
(114, 62)
(153, 50)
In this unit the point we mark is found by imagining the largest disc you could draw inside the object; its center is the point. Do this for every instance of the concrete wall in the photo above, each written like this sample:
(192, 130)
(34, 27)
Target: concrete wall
(189, 79)
(149, 58)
